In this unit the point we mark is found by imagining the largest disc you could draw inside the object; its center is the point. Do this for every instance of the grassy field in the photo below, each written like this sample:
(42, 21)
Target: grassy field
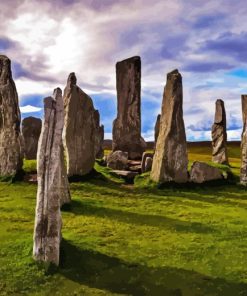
(122, 239)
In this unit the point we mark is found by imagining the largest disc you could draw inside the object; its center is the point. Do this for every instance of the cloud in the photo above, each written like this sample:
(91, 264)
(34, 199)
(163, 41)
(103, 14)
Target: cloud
(46, 40)
(229, 44)
(30, 109)
(195, 66)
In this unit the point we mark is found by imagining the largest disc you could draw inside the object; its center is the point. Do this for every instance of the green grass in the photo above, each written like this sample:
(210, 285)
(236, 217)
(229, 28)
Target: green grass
(125, 240)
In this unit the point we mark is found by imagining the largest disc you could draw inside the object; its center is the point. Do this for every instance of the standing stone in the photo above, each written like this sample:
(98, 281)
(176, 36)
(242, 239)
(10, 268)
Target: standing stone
(48, 222)
(156, 130)
(170, 160)
(244, 109)
(127, 125)
(99, 136)
(144, 164)
(202, 172)
(31, 128)
(79, 129)
(243, 169)
(10, 119)
(219, 135)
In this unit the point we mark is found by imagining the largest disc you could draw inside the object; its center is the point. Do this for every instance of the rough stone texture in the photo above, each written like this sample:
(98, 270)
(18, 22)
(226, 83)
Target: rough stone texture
(148, 164)
(219, 135)
(10, 119)
(243, 169)
(156, 130)
(118, 160)
(145, 155)
(127, 175)
(202, 172)
(50, 175)
(99, 136)
(79, 129)
(127, 126)
(170, 160)
(31, 128)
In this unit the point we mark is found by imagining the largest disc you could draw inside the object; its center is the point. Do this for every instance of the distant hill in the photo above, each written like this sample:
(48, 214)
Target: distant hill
(108, 144)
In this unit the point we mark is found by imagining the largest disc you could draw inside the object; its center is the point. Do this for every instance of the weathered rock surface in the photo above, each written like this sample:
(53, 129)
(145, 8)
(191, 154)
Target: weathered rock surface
(127, 125)
(31, 128)
(10, 119)
(156, 129)
(243, 169)
(51, 186)
(99, 136)
(170, 160)
(118, 160)
(145, 155)
(148, 164)
(127, 175)
(79, 129)
(202, 172)
(219, 135)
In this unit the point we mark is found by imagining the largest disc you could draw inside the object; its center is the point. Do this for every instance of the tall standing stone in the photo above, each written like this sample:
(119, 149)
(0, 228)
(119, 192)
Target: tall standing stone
(31, 129)
(219, 135)
(10, 119)
(79, 129)
(127, 125)
(170, 160)
(99, 136)
(48, 222)
(156, 130)
(243, 169)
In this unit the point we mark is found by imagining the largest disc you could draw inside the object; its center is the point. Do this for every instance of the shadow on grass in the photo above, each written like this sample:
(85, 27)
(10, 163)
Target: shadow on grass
(104, 272)
(88, 209)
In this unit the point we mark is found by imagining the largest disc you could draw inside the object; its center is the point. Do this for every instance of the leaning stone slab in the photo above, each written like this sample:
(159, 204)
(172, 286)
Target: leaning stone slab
(219, 135)
(202, 172)
(10, 119)
(50, 168)
(127, 126)
(170, 160)
(31, 129)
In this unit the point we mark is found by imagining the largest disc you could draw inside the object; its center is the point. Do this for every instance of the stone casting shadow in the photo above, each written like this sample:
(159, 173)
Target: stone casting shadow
(88, 209)
(100, 271)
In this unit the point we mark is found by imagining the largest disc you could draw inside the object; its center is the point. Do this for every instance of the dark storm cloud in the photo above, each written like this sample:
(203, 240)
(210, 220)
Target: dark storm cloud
(196, 66)
(209, 20)
(228, 45)
(20, 72)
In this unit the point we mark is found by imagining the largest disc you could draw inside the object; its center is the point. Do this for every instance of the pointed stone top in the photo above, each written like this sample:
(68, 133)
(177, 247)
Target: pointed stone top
(219, 101)
(219, 111)
(173, 73)
(57, 92)
(71, 79)
(5, 70)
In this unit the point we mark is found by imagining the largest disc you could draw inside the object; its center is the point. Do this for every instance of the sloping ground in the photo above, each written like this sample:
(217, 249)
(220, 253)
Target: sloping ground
(124, 240)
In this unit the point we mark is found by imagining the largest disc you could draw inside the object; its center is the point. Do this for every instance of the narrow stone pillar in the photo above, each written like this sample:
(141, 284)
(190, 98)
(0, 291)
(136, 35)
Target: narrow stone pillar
(50, 168)
(219, 135)
(170, 162)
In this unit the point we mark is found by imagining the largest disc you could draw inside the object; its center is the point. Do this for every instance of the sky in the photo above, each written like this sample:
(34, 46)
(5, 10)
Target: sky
(205, 40)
